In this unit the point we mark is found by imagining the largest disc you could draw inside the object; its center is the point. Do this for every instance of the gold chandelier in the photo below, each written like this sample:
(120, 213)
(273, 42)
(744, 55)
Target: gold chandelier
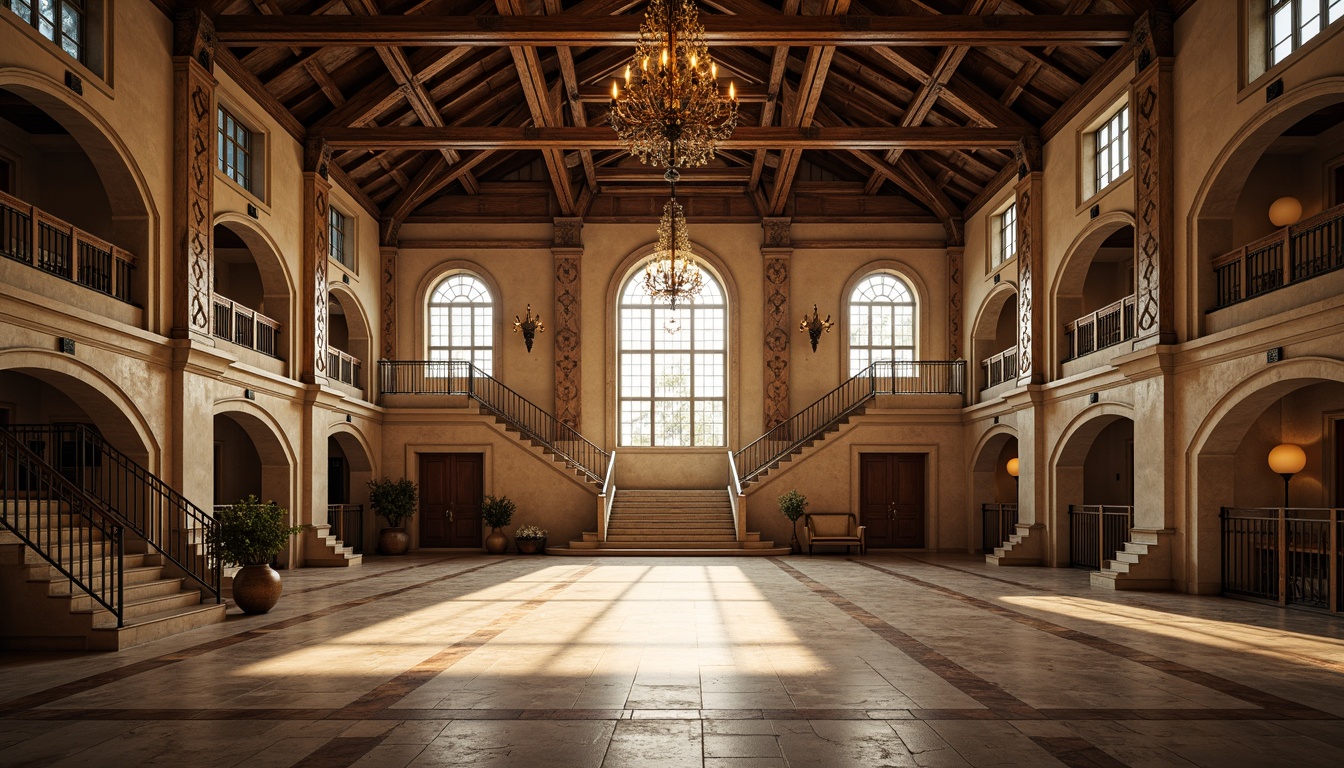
(672, 114)
(672, 274)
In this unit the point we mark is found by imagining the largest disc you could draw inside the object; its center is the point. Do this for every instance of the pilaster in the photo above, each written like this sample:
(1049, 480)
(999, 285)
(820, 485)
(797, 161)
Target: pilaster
(567, 250)
(1150, 109)
(388, 257)
(955, 255)
(1030, 257)
(776, 252)
(193, 174)
(316, 230)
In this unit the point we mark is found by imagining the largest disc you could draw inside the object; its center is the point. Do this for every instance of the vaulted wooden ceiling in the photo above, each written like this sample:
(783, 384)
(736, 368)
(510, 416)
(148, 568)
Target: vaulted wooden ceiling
(942, 90)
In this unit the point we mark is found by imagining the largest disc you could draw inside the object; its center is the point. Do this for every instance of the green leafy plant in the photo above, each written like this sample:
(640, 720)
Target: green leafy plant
(251, 532)
(793, 504)
(394, 499)
(497, 511)
(529, 532)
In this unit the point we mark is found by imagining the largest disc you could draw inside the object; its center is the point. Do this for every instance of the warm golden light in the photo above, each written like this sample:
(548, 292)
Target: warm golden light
(1285, 212)
(1014, 466)
(732, 92)
(1287, 459)
(615, 91)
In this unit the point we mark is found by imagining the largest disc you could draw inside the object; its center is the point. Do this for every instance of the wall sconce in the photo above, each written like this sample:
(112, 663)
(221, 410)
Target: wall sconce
(1287, 460)
(814, 326)
(1285, 212)
(530, 326)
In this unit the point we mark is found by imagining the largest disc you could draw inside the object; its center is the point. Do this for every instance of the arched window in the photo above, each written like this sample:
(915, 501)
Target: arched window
(673, 386)
(462, 321)
(881, 321)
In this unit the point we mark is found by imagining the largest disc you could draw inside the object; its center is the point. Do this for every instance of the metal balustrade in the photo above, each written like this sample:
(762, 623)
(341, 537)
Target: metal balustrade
(433, 377)
(997, 523)
(1097, 532)
(344, 367)
(245, 326)
(32, 236)
(1311, 247)
(347, 524)
(885, 377)
(1000, 368)
(1293, 556)
(170, 524)
(1104, 328)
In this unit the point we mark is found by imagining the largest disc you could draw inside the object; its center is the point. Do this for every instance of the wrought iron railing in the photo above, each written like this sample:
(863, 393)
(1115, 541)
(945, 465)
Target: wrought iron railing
(173, 526)
(885, 377)
(1304, 250)
(35, 237)
(1097, 532)
(72, 531)
(245, 326)
(344, 367)
(347, 524)
(433, 377)
(1000, 368)
(1291, 556)
(1104, 328)
(997, 523)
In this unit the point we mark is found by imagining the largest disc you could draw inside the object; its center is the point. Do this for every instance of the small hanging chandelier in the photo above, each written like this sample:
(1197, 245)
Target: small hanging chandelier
(672, 113)
(672, 274)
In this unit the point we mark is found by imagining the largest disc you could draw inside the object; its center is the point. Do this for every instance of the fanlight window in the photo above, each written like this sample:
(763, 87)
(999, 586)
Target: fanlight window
(461, 322)
(881, 322)
(673, 386)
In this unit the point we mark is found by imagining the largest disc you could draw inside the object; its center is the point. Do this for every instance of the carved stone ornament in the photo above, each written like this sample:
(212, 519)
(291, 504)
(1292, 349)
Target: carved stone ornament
(777, 232)
(1153, 38)
(567, 322)
(389, 303)
(776, 336)
(1027, 156)
(954, 258)
(568, 232)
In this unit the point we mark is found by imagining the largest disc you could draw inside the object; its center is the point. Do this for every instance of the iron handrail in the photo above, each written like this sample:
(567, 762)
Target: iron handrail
(458, 377)
(170, 523)
(34, 500)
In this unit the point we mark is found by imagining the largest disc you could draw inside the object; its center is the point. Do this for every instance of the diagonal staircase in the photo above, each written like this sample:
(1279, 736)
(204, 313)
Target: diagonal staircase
(671, 523)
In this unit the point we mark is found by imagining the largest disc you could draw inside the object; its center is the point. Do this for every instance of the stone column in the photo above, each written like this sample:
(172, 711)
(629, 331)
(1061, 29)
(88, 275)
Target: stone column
(193, 174)
(1154, 229)
(1030, 257)
(316, 230)
(567, 250)
(954, 340)
(776, 250)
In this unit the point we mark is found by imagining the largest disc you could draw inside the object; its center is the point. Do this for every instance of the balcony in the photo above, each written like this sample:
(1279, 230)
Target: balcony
(1000, 368)
(1310, 248)
(344, 367)
(245, 327)
(34, 237)
(1104, 328)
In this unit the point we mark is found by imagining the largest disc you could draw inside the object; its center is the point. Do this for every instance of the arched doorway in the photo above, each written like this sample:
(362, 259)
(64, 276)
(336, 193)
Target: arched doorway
(252, 459)
(349, 470)
(1094, 489)
(994, 488)
(994, 339)
(1094, 293)
(252, 291)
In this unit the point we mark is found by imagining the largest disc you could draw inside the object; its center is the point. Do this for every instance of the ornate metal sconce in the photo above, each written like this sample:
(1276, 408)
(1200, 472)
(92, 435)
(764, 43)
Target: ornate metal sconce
(814, 326)
(530, 326)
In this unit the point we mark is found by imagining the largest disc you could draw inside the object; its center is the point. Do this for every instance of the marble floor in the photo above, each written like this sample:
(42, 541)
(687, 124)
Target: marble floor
(828, 661)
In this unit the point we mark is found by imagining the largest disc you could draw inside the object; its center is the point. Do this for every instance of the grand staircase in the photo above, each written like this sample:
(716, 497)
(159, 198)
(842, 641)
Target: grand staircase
(670, 523)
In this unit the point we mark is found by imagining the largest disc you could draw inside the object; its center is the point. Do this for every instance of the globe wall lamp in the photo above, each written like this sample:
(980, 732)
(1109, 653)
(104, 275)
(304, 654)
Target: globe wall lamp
(1013, 467)
(1287, 460)
(1285, 212)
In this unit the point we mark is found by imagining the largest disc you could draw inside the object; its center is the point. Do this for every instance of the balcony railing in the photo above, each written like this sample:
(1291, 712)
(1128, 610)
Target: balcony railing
(245, 327)
(344, 367)
(1096, 533)
(1000, 368)
(997, 523)
(1304, 250)
(35, 237)
(1104, 328)
(347, 524)
(1291, 556)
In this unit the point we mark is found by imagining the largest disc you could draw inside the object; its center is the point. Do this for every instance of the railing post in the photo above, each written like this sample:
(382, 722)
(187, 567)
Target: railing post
(1287, 249)
(1334, 561)
(1283, 556)
(121, 576)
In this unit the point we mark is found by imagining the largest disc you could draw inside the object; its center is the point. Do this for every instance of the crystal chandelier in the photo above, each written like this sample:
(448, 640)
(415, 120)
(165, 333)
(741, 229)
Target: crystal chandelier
(671, 113)
(672, 275)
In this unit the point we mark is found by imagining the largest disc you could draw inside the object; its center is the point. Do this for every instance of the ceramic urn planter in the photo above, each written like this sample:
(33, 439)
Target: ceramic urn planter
(394, 541)
(256, 588)
(531, 546)
(496, 543)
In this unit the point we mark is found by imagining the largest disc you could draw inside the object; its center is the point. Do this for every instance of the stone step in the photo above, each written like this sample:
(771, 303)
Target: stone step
(133, 593)
(679, 552)
(656, 544)
(146, 607)
(155, 626)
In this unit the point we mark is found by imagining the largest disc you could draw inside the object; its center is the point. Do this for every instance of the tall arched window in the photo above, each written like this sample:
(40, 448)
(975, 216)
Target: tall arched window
(462, 321)
(673, 386)
(881, 321)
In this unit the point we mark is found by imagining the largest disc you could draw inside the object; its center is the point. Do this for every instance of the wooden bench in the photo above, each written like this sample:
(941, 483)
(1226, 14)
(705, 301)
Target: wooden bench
(834, 528)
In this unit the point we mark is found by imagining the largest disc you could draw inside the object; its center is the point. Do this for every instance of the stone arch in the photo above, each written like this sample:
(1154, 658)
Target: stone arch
(1067, 465)
(360, 466)
(277, 284)
(1209, 223)
(986, 340)
(112, 410)
(279, 464)
(1210, 459)
(990, 481)
(425, 289)
(359, 333)
(135, 219)
(1066, 293)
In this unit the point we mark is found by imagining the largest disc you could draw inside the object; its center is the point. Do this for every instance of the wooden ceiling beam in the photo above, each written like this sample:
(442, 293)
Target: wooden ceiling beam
(569, 81)
(602, 137)
(740, 30)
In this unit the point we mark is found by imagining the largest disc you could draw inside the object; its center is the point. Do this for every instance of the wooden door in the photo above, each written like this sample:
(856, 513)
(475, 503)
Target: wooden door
(450, 499)
(891, 499)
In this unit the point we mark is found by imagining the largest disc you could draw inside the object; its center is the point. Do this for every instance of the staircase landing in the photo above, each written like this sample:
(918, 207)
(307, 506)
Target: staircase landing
(670, 523)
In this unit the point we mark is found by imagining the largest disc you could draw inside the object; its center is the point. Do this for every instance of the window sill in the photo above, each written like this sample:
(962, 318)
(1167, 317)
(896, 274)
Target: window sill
(247, 194)
(1259, 82)
(667, 449)
(1002, 267)
(1100, 194)
(342, 268)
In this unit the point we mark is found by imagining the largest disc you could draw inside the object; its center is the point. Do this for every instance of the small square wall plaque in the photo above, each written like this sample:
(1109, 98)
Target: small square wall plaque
(1274, 355)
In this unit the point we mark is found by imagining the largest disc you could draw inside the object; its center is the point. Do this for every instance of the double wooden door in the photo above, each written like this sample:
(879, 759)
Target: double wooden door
(450, 499)
(891, 499)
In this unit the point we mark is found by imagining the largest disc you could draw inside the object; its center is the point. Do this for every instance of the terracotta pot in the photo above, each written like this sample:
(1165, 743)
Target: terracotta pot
(531, 546)
(496, 543)
(256, 588)
(394, 541)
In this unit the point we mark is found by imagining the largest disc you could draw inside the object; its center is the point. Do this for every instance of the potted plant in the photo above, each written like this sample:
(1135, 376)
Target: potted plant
(250, 533)
(530, 540)
(793, 504)
(497, 512)
(395, 500)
